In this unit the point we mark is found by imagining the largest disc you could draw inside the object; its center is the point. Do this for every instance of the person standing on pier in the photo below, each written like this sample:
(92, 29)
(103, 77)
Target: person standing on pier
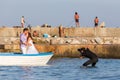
(22, 22)
(76, 17)
(96, 21)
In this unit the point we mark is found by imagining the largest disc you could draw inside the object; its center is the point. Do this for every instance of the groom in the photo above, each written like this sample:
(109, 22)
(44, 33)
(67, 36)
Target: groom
(23, 41)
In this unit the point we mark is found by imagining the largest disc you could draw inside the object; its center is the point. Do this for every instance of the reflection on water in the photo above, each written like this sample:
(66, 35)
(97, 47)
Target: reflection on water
(64, 69)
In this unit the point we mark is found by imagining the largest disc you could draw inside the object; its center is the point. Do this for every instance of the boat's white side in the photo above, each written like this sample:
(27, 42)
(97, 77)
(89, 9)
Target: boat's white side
(25, 59)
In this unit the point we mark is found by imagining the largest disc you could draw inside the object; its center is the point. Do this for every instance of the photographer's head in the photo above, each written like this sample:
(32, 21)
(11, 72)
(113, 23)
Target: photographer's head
(81, 49)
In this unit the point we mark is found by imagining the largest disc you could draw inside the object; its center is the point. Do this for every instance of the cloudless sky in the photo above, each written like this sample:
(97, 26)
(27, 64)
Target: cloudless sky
(57, 12)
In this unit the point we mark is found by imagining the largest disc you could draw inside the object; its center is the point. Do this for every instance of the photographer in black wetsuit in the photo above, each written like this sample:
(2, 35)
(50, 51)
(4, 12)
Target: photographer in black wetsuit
(89, 54)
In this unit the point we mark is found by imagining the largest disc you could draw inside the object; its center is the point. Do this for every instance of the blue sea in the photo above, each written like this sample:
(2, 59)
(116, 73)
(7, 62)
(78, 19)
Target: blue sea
(64, 69)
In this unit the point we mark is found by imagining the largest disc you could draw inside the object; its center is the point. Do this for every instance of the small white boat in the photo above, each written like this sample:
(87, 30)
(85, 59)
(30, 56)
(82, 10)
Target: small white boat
(8, 59)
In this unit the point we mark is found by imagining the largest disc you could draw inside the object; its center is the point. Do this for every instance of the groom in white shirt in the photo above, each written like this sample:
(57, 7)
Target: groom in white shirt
(23, 41)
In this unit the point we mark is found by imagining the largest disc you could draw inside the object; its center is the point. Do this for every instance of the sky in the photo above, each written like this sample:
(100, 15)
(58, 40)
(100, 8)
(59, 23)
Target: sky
(59, 12)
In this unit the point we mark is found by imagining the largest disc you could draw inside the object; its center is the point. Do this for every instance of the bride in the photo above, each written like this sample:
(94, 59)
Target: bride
(31, 48)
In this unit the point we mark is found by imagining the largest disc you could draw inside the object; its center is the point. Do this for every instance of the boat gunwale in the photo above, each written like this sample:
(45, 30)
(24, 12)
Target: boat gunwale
(14, 54)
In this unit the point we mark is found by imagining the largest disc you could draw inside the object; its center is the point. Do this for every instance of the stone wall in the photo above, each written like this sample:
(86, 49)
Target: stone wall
(103, 51)
(70, 32)
(92, 32)
(103, 41)
(15, 32)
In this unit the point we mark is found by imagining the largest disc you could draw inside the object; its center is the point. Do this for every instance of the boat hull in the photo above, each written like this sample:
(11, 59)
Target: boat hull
(25, 59)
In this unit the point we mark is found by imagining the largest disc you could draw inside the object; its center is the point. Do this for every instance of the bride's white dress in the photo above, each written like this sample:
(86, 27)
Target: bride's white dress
(31, 49)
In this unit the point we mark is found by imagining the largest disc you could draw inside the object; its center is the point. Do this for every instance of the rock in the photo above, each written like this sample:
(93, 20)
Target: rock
(74, 41)
(61, 41)
(13, 39)
(17, 41)
(47, 40)
(68, 41)
(98, 40)
(55, 41)
(92, 41)
(84, 41)
(102, 25)
(7, 41)
(108, 42)
(116, 40)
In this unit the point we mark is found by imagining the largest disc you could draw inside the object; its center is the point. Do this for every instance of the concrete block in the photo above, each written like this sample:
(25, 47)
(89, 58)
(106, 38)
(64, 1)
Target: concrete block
(16, 46)
(8, 47)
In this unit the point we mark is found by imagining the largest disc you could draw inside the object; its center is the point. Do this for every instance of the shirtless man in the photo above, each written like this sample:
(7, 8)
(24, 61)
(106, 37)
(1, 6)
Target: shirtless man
(76, 16)
(96, 21)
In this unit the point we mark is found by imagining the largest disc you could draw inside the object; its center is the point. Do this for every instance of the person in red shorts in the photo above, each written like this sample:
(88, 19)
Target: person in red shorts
(76, 16)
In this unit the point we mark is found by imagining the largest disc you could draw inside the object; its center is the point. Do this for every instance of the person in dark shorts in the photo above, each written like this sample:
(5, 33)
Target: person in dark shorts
(76, 16)
(96, 21)
(93, 59)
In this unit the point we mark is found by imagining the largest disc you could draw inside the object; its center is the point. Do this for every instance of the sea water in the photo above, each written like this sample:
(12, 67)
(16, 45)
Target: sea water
(64, 69)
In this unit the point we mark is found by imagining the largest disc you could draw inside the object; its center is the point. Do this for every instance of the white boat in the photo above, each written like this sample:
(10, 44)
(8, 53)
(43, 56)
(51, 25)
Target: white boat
(8, 59)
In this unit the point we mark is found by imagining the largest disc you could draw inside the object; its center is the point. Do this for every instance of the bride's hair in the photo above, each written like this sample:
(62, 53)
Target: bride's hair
(29, 36)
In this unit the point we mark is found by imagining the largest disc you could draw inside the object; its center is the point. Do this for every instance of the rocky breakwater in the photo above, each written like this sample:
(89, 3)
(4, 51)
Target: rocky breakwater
(67, 47)
(103, 47)
(103, 43)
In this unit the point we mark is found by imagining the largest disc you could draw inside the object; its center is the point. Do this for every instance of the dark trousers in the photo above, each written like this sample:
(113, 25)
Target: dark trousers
(91, 61)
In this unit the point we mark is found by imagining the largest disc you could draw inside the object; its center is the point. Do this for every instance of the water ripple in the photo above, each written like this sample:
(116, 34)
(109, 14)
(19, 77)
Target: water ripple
(64, 69)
